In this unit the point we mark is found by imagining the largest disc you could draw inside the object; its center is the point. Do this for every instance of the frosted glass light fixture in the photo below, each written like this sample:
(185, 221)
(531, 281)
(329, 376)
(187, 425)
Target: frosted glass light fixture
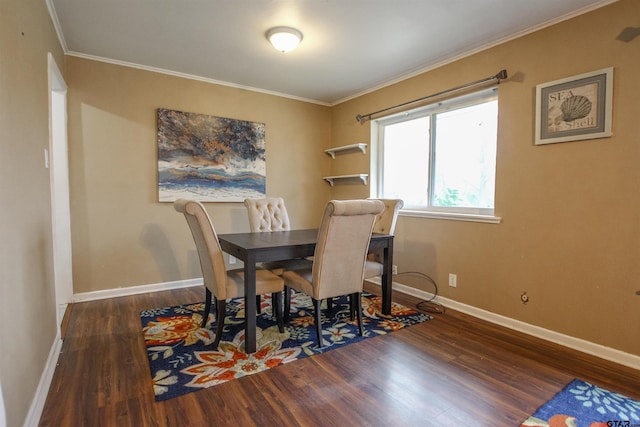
(284, 39)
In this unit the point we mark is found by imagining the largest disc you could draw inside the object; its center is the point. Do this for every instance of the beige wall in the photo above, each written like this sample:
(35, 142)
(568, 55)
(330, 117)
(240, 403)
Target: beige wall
(570, 216)
(121, 235)
(570, 229)
(570, 234)
(27, 302)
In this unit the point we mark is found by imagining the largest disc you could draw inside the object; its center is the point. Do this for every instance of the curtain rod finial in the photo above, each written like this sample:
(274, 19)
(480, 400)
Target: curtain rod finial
(360, 119)
(501, 75)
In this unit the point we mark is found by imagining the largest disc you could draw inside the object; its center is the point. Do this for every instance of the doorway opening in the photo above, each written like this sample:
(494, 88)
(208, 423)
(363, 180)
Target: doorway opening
(59, 178)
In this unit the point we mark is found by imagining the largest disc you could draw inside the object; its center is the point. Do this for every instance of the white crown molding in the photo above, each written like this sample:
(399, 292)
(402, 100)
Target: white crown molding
(56, 25)
(479, 49)
(421, 70)
(192, 77)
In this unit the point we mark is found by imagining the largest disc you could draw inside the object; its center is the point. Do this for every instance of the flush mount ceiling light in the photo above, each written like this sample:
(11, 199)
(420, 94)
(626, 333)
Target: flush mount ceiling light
(285, 39)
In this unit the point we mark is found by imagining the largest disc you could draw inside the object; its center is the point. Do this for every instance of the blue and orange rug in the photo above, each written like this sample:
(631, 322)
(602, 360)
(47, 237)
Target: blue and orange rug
(581, 404)
(182, 361)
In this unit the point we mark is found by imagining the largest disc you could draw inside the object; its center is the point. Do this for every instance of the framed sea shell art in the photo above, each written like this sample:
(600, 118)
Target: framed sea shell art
(574, 108)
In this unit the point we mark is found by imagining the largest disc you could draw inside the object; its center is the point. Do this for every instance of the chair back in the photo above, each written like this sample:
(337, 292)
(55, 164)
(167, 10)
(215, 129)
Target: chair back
(214, 271)
(268, 214)
(386, 221)
(341, 249)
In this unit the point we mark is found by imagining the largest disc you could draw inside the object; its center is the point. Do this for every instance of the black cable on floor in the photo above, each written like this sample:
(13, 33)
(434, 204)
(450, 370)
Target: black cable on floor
(429, 306)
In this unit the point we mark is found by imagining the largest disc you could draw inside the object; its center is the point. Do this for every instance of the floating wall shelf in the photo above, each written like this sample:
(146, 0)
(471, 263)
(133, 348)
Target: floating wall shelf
(361, 176)
(333, 151)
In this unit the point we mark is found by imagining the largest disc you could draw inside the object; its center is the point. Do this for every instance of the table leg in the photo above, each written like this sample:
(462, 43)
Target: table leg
(387, 277)
(250, 305)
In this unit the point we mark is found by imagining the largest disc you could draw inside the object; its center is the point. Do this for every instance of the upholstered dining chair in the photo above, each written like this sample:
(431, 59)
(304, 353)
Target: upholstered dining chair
(267, 214)
(270, 214)
(385, 224)
(338, 260)
(218, 282)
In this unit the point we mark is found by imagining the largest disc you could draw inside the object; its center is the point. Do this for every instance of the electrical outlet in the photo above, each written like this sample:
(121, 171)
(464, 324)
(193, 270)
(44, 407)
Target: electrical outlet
(394, 269)
(232, 259)
(453, 280)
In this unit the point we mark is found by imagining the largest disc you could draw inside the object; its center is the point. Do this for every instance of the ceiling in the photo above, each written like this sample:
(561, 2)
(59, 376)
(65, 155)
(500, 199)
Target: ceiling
(350, 47)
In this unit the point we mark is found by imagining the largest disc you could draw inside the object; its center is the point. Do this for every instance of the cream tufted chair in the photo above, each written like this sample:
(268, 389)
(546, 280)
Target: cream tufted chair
(270, 214)
(385, 224)
(218, 282)
(339, 258)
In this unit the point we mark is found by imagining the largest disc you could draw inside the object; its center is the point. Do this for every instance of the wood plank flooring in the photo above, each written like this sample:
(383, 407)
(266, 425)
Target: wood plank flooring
(454, 370)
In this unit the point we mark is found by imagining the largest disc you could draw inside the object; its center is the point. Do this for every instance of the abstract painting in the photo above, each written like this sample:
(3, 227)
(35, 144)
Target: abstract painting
(208, 158)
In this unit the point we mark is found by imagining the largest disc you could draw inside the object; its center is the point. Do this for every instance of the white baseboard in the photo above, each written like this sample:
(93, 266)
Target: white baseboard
(598, 350)
(37, 405)
(607, 353)
(135, 290)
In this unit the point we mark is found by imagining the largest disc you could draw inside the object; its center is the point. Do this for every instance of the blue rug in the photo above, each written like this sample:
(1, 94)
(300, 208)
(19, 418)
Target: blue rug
(182, 361)
(581, 404)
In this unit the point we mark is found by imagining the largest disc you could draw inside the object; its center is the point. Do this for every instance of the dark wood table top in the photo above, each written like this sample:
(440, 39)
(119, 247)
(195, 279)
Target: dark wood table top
(279, 245)
(270, 239)
(254, 248)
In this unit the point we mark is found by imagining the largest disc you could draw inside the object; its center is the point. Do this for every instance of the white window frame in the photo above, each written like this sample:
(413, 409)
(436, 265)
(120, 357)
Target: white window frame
(437, 212)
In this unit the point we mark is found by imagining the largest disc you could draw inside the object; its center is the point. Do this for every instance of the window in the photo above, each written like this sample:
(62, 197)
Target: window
(440, 158)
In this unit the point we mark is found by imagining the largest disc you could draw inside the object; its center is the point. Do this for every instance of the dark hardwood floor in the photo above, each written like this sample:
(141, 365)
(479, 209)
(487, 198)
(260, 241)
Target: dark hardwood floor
(454, 370)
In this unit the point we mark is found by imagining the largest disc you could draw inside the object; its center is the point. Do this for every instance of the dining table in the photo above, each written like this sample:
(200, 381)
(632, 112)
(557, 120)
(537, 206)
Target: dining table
(255, 248)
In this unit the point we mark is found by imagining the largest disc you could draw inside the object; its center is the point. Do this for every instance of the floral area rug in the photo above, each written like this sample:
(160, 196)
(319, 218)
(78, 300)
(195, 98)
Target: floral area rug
(581, 404)
(182, 361)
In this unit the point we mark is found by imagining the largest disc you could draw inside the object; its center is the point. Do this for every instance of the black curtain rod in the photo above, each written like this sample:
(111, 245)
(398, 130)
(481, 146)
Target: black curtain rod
(361, 118)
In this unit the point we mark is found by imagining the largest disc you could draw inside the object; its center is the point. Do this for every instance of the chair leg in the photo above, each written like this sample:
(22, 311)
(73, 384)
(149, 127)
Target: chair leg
(318, 314)
(258, 308)
(207, 307)
(287, 303)
(221, 307)
(276, 308)
(329, 306)
(358, 305)
(352, 306)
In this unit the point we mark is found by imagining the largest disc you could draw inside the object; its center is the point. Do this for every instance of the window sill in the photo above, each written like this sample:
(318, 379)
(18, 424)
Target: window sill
(490, 219)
